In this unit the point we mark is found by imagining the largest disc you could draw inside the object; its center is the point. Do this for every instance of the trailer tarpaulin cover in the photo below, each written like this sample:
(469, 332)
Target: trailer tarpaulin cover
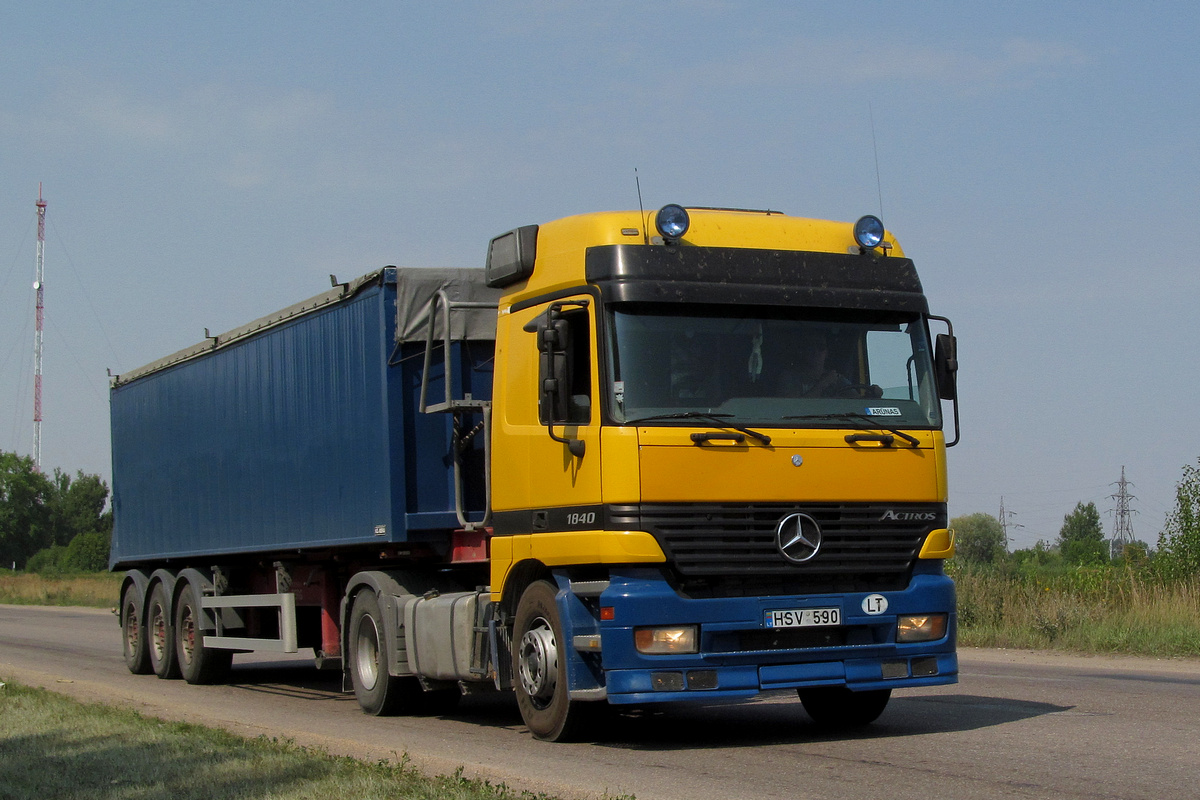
(416, 288)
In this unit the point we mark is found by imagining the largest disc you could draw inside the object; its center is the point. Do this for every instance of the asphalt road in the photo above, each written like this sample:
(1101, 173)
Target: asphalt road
(1019, 724)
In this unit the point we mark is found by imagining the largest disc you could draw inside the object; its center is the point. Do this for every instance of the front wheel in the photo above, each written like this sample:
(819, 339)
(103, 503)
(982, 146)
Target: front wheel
(838, 707)
(197, 662)
(540, 668)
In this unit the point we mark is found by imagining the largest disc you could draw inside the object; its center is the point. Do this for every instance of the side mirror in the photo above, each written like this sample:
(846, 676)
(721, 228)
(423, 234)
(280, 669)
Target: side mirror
(945, 365)
(555, 379)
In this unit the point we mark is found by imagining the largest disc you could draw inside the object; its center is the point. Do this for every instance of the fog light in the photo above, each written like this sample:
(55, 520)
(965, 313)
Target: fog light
(665, 641)
(920, 627)
(924, 667)
(895, 669)
(868, 232)
(672, 222)
(702, 679)
(667, 681)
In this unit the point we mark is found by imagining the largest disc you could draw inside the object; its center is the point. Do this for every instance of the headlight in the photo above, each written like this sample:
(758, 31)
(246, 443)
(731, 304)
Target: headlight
(672, 221)
(868, 232)
(920, 628)
(666, 641)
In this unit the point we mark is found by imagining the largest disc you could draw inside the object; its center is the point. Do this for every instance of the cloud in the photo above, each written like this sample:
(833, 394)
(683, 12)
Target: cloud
(241, 136)
(1010, 63)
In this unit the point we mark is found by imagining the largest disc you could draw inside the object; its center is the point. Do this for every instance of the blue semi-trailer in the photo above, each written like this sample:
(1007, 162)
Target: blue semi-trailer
(261, 475)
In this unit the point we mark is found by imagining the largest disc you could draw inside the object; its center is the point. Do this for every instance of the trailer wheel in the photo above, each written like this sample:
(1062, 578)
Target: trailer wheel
(133, 632)
(160, 635)
(197, 663)
(540, 668)
(838, 707)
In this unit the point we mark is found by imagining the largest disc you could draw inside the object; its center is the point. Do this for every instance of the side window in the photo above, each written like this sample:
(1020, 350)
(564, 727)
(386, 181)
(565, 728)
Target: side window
(579, 357)
(889, 354)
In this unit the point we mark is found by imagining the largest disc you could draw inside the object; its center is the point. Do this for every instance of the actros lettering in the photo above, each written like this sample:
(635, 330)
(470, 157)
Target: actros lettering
(908, 516)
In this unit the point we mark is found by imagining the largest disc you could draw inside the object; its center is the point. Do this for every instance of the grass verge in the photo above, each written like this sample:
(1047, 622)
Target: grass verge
(95, 590)
(55, 747)
(1082, 611)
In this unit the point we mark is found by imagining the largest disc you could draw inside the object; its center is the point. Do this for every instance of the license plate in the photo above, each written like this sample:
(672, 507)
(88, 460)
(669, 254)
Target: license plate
(803, 618)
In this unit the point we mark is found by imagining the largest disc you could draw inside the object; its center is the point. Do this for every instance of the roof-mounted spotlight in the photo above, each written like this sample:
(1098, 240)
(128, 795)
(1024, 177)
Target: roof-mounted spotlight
(672, 222)
(868, 232)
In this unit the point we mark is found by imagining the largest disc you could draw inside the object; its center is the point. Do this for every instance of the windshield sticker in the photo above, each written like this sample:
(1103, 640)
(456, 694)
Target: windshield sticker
(883, 412)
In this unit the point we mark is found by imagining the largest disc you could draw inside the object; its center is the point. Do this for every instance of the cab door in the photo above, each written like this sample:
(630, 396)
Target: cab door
(546, 442)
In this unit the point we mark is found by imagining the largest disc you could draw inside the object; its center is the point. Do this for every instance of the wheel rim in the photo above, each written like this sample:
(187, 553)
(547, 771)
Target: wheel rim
(187, 634)
(367, 652)
(539, 662)
(158, 629)
(132, 628)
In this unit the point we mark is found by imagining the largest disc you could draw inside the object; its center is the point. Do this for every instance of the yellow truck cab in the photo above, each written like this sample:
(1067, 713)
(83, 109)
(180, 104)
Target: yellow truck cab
(718, 464)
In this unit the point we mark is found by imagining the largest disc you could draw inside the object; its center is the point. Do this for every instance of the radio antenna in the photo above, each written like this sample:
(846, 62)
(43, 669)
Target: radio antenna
(641, 210)
(875, 147)
(39, 286)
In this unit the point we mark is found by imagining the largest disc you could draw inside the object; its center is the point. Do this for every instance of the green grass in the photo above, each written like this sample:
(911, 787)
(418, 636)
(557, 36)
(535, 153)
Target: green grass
(96, 590)
(1087, 610)
(55, 747)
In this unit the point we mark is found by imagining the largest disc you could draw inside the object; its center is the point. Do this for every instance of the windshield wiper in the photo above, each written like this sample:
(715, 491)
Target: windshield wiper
(873, 423)
(716, 419)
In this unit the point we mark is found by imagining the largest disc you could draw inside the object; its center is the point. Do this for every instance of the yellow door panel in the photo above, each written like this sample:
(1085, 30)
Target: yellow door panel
(529, 469)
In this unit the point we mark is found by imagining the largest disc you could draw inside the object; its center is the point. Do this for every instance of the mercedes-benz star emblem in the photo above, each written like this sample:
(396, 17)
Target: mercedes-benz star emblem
(798, 537)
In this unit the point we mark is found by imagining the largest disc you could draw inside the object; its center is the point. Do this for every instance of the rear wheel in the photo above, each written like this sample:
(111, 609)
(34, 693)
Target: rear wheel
(160, 634)
(540, 668)
(133, 632)
(838, 707)
(197, 663)
(379, 693)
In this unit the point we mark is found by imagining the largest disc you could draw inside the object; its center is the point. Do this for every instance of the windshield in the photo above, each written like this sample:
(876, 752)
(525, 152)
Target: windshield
(780, 367)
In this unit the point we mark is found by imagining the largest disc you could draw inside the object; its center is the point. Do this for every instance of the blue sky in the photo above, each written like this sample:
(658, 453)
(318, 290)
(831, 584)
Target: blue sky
(205, 164)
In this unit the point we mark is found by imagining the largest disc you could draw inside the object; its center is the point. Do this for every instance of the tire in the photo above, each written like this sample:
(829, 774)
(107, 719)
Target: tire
(378, 693)
(160, 634)
(197, 664)
(837, 707)
(540, 668)
(133, 632)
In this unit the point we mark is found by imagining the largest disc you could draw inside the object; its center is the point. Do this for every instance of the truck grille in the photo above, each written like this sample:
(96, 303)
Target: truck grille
(723, 550)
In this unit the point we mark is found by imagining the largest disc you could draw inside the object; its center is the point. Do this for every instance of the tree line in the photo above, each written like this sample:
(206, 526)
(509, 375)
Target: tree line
(53, 522)
(980, 539)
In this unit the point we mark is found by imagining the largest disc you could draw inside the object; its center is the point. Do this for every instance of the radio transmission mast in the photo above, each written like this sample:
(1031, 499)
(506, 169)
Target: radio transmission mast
(37, 334)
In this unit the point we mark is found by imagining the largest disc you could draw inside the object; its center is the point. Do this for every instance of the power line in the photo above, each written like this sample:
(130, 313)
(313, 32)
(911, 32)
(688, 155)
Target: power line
(66, 254)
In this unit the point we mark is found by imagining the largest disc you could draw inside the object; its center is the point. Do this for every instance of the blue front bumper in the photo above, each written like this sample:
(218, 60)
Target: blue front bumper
(740, 655)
